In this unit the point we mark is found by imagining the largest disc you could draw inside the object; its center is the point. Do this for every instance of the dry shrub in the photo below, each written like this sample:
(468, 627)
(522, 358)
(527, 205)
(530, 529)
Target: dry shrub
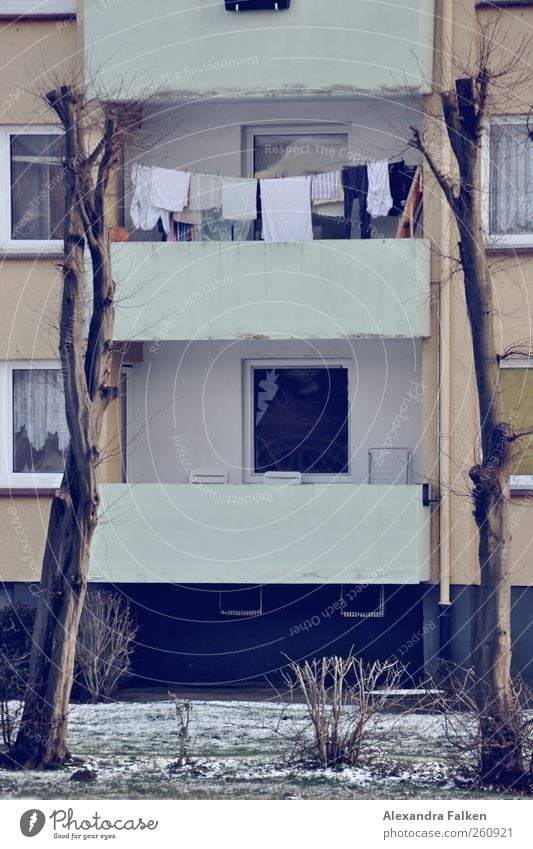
(344, 698)
(16, 626)
(468, 729)
(105, 643)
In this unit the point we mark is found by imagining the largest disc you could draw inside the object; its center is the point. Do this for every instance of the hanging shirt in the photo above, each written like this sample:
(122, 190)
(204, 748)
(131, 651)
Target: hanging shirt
(143, 213)
(238, 199)
(286, 210)
(205, 192)
(401, 178)
(379, 198)
(157, 192)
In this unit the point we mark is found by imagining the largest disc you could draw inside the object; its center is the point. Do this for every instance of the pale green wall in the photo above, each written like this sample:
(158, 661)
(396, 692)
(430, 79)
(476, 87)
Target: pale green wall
(305, 534)
(194, 48)
(235, 290)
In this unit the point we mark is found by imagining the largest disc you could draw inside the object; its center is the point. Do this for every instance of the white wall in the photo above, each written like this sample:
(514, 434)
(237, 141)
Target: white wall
(194, 391)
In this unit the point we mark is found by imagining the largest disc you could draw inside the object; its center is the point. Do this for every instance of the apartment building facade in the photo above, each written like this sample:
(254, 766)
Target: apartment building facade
(274, 484)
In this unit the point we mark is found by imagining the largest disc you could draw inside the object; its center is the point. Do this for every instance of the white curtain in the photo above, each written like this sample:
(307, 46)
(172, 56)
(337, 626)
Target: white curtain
(39, 406)
(511, 188)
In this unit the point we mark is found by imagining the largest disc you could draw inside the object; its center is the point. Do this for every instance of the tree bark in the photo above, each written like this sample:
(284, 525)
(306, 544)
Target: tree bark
(86, 365)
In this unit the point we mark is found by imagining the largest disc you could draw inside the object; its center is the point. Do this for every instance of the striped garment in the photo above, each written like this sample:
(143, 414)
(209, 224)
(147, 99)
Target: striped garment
(325, 186)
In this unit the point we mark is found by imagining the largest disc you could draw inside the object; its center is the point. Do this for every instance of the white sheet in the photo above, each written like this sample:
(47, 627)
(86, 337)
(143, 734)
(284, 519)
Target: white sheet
(286, 209)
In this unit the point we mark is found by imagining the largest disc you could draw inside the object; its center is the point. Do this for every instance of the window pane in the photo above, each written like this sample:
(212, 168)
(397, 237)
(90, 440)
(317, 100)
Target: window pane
(294, 156)
(40, 435)
(517, 393)
(511, 173)
(37, 187)
(301, 420)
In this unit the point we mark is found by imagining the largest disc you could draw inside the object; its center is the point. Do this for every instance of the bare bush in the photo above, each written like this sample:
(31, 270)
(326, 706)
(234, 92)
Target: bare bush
(343, 697)
(183, 714)
(470, 729)
(16, 623)
(105, 643)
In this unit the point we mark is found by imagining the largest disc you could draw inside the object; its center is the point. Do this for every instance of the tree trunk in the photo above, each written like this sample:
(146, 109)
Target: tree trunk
(501, 757)
(42, 737)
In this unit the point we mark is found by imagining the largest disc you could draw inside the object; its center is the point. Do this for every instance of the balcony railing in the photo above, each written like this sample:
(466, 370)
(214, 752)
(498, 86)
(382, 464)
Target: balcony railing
(338, 533)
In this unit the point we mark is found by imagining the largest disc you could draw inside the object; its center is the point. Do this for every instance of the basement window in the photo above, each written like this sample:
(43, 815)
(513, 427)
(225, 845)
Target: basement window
(298, 419)
(256, 5)
(363, 601)
(241, 601)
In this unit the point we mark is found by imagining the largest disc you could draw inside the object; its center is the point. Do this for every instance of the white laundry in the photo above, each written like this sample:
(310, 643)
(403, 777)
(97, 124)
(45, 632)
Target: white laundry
(156, 193)
(143, 214)
(170, 189)
(379, 198)
(206, 191)
(286, 210)
(325, 186)
(333, 206)
(239, 199)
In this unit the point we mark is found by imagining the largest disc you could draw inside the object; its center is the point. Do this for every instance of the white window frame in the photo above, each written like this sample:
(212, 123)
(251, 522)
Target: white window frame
(498, 240)
(249, 413)
(7, 244)
(9, 478)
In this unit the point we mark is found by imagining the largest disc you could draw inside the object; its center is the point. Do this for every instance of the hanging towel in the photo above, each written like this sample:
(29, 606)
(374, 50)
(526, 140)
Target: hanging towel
(205, 192)
(286, 210)
(143, 213)
(170, 189)
(379, 199)
(325, 186)
(332, 207)
(238, 199)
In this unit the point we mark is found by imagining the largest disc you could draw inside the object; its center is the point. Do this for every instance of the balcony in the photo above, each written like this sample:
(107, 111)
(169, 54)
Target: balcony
(199, 50)
(247, 290)
(309, 534)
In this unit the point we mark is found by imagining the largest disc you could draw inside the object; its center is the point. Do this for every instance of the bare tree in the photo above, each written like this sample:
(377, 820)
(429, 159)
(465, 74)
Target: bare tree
(94, 138)
(105, 643)
(464, 113)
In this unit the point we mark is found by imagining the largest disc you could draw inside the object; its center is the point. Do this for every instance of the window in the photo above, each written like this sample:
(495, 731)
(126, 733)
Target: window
(36, 435)
(516, 380)
(279, 153)
(509, 218)
(298, 418)
(34, 179)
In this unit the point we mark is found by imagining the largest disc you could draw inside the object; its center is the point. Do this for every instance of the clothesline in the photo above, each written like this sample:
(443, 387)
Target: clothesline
(179, 197)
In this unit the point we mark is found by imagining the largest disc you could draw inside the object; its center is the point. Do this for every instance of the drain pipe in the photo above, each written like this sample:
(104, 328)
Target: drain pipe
(444, 358)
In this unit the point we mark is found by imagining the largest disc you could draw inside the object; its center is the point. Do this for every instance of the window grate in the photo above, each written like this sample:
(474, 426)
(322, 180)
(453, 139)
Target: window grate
(241, 602)
(363, 594)
(389, 465)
